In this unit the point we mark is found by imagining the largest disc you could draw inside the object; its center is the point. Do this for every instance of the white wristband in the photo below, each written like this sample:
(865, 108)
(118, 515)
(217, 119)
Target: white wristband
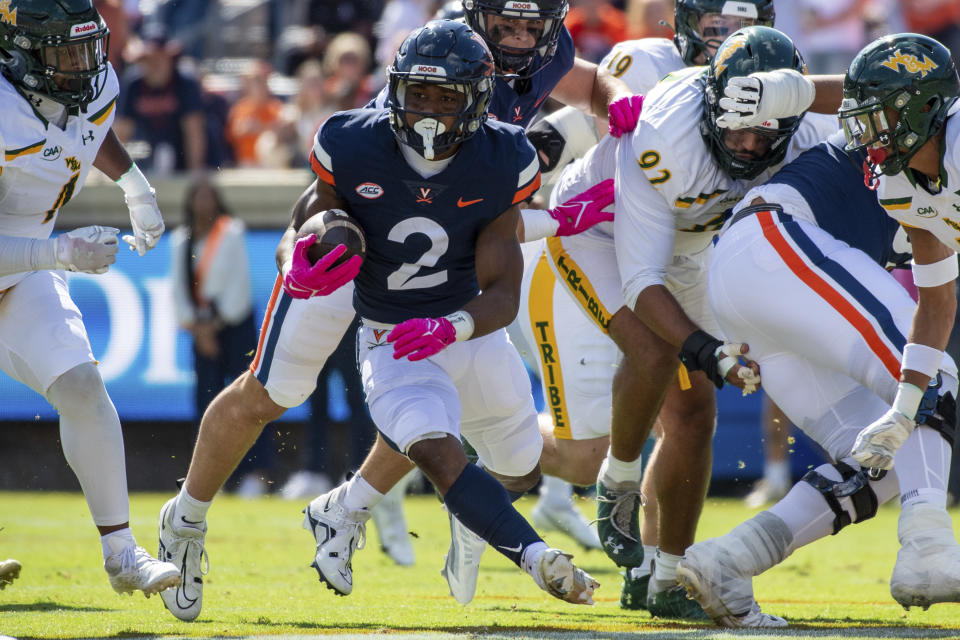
(134, 183)
(908, 399)
(922, 359)
(537, 224)
(936, 273)
(462, 323)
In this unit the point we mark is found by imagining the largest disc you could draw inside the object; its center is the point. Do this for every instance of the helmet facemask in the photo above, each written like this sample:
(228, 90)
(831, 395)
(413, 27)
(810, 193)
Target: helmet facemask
(756, 48)
(701, 31)
(68, 68)
(537, 23)
(897, 94)
(428, 135)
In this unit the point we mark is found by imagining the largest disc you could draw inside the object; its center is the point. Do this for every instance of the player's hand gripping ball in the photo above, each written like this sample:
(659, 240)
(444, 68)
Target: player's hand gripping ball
(328, 254)
(334, 227)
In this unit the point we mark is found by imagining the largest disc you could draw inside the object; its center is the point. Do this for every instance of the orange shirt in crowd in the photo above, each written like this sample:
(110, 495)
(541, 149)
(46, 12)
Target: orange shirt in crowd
(246, 121)
(930, 16)
(594, 33)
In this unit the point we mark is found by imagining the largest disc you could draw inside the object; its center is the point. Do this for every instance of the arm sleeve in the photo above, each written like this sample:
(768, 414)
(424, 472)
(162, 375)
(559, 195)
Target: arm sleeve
(228, 281)
(644, 225)
(183, 309)
(18, 255)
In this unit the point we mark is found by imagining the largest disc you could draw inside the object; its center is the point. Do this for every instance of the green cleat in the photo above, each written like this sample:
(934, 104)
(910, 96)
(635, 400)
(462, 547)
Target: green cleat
(634, 592)
(618, 522)
(674, 603)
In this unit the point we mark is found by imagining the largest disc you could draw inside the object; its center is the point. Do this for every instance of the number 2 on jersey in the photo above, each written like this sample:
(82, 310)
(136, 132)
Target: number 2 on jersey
(66, 192)
(406, 276)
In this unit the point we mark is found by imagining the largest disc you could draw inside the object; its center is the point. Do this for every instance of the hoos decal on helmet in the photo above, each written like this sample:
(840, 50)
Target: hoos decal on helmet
(747, 51)
(447, 58)
(55, 48)
(522, 35)
(896, 96)
(700, 26)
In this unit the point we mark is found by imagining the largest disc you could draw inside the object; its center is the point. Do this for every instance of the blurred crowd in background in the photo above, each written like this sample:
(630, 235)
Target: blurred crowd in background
(209, 84)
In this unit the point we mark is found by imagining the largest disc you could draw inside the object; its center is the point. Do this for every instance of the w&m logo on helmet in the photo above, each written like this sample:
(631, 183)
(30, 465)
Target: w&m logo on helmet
(733, 45)
(910, 62)
(7, 14)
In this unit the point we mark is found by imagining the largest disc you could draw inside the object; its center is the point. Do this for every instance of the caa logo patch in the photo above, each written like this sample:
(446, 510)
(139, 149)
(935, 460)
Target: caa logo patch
(52, 153)
(369, 190)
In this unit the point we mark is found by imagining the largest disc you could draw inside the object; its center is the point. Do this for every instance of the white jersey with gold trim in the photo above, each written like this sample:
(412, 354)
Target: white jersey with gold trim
(640, 64)
(913, 206)
(671, 195)
(42, 166)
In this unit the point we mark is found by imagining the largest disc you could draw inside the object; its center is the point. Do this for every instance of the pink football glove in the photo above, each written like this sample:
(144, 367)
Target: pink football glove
(624, 113)
(584, 210)
(420, 338)
(304, 280)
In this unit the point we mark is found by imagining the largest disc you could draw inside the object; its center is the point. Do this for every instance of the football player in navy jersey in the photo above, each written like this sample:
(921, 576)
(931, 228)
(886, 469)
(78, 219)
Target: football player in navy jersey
(436, 187)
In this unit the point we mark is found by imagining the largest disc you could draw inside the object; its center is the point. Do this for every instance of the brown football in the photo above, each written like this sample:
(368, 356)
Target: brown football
(333, 227)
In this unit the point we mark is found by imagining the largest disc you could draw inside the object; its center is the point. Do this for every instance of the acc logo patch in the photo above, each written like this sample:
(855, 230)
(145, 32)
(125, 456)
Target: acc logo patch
(910, 62)
(369, 190)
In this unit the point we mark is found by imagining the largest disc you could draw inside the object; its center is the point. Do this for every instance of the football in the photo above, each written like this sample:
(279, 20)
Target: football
(333, 227)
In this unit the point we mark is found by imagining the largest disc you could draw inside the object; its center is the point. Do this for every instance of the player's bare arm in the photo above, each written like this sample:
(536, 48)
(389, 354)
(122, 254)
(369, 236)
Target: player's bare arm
(589, 88)
(112, 159)
(937, 306)
(499, 264)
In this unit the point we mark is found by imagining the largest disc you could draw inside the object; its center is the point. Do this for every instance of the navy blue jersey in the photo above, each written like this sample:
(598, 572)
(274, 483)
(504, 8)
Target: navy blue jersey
(421, 232)
(830, 179)
(506, 105)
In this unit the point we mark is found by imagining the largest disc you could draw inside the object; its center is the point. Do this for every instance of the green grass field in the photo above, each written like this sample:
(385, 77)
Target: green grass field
(260, 583)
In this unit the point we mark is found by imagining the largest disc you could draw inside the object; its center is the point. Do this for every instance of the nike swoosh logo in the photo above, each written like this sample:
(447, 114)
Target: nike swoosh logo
(466, 203)
(516, 549)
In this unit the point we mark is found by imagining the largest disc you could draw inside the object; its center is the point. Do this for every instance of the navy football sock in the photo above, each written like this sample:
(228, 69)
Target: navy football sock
(483, 506)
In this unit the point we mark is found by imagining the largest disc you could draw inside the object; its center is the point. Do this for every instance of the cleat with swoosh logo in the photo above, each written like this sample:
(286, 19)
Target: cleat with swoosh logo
(338, 533)
(181, 543)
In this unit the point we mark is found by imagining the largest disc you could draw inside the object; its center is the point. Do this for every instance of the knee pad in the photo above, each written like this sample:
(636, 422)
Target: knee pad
(855, 485)
(80, 386)
(938, 410)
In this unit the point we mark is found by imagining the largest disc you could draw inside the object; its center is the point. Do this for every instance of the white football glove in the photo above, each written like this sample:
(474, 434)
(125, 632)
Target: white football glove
(87, 249)
(749, 101)
(727, 356)
(146, 221)
(877, 444)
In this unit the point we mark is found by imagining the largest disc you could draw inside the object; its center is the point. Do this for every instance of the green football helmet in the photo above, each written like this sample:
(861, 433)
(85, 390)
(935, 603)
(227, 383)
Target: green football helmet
(700, 26)
(55, 48)
(908, 74)
(747, 51)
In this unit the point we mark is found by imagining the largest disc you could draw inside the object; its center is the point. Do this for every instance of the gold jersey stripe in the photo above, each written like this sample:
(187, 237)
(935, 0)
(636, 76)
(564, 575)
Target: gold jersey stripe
(25, 151)
(100, 116)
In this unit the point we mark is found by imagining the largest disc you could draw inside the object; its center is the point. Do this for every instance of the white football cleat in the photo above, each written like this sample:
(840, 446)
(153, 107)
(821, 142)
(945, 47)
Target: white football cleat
(710, 577)
(462, 562)
(549, 516)
(338, 533)
(391, 526)
(928, 563)
(181, 543)
(9, 571)
(562, 579)
(133, 569)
